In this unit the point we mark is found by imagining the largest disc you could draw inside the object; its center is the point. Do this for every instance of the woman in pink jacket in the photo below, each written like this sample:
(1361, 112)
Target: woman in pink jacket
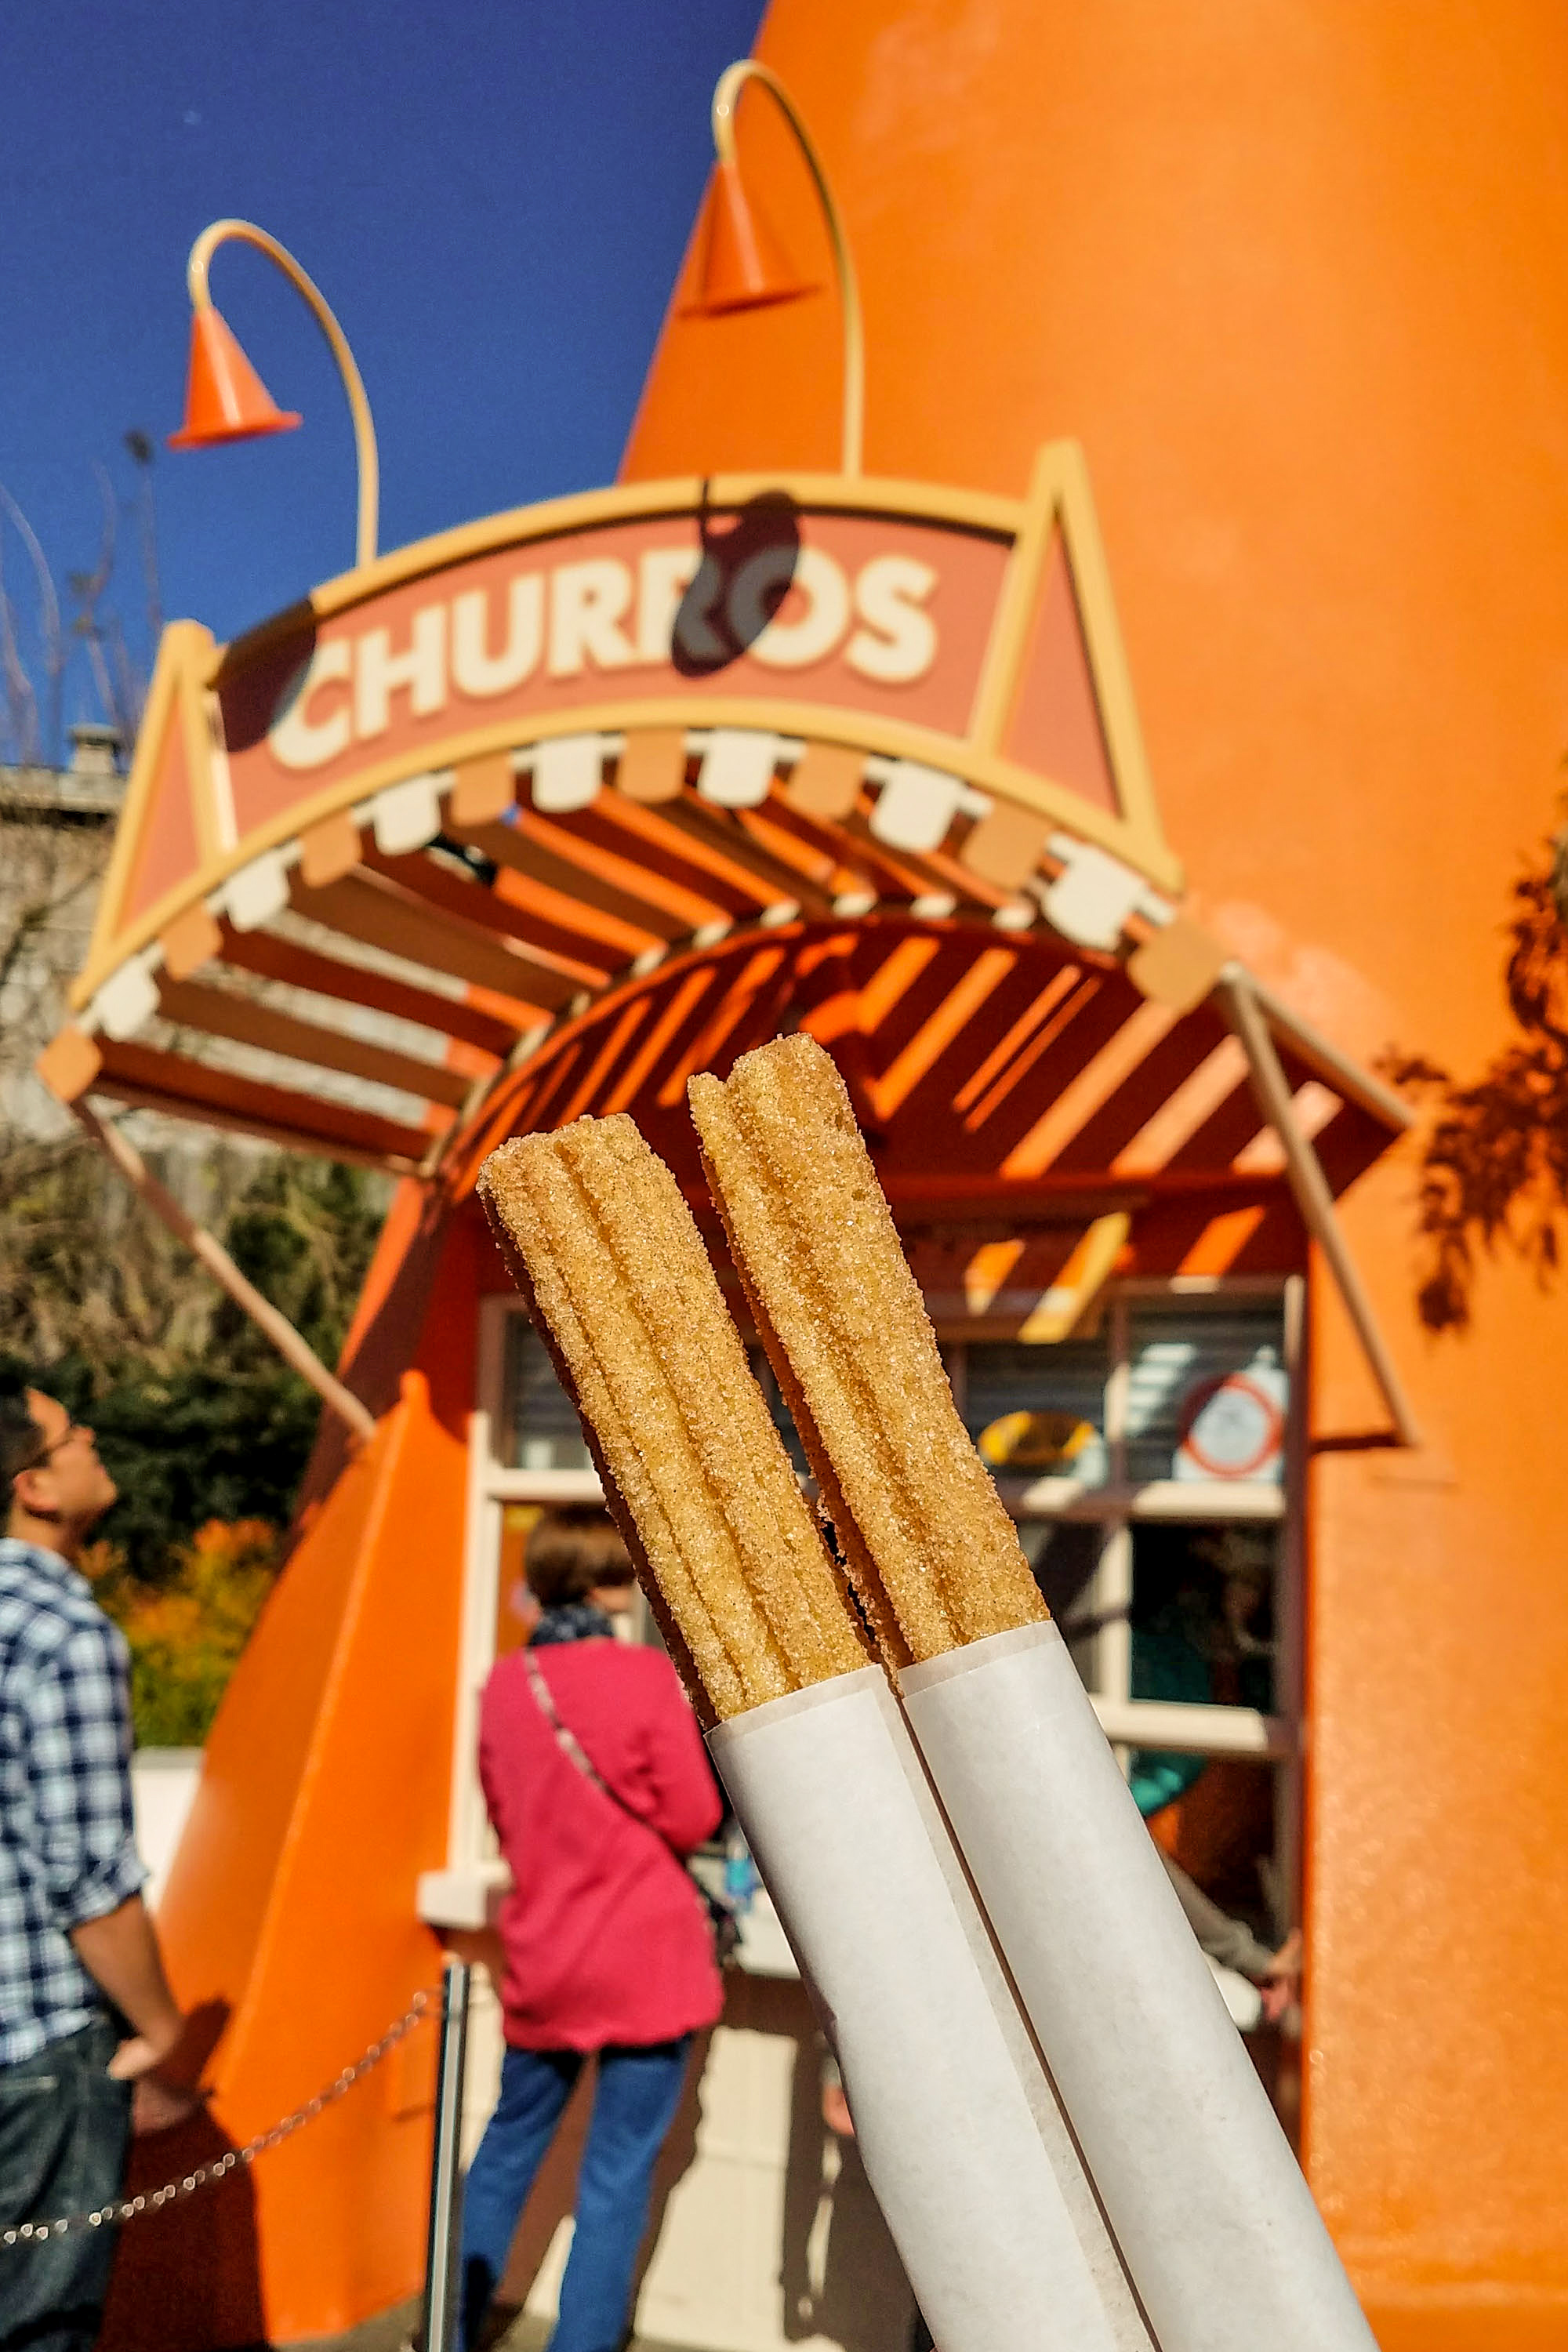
(597, 1784)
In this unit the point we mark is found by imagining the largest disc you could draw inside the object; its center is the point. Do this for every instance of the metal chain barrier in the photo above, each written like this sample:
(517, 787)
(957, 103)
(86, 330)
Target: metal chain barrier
(128, 2209)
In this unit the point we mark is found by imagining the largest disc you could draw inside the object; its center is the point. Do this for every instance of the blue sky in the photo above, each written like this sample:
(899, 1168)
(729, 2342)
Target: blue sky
(495, 200)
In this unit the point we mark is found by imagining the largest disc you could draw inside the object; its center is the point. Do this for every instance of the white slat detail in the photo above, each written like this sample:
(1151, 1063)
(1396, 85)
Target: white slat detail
(738, 767)
(256, 893)
(567, 774)
(127, 998)
(1091, 898)
(915, 806)
(407, 815)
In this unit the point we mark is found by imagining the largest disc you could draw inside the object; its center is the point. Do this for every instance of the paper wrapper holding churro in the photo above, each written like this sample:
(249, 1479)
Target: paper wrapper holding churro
(1067, 2141)
(961, 2140)
(1213, 2217)
(964, 2141)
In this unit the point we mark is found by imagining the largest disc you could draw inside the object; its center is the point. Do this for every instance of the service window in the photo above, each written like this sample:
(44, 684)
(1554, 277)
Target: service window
(1150, 1465)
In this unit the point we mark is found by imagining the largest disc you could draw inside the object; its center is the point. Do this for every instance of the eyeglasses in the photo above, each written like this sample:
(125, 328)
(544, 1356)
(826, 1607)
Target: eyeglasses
(47, 1452)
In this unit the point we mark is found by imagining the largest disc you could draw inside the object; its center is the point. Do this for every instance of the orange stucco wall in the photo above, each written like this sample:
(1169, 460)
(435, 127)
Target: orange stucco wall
(1292, 272)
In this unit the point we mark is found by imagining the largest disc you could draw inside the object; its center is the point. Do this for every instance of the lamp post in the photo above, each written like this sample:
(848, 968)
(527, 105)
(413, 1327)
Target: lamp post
(225, 400)
(744, 265)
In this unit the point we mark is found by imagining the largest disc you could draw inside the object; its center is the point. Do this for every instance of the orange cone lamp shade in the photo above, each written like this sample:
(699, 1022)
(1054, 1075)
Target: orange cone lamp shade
(742, 262)
(225, 400)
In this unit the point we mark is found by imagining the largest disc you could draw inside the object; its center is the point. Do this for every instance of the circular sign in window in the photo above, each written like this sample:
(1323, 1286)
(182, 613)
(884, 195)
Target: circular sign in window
(1232, 1427)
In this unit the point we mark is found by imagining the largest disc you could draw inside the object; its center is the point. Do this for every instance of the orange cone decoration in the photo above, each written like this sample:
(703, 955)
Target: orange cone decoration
(744, 263)
(225, 400)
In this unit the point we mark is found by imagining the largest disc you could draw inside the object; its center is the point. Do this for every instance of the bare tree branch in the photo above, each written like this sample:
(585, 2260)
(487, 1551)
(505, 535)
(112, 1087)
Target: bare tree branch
(141, 449)
(21, 701)
(52, 637)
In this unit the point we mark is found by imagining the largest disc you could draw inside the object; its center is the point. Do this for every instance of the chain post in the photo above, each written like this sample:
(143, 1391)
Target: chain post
(441, 2331)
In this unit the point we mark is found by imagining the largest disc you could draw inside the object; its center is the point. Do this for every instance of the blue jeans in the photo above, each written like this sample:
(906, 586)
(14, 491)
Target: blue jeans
(635, 2100)
(64, 2127)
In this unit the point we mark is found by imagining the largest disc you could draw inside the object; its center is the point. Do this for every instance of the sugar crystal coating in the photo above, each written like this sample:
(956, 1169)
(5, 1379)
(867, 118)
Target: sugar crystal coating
(929, 1545)
(622, 1285)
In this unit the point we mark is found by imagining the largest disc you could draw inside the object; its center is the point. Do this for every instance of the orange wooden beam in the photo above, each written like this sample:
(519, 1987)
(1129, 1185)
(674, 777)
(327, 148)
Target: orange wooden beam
(541, 851)
(718, 831)
(146, 1075)
(222, 1013)
(273, 957)
(365, 908)
(574, 953)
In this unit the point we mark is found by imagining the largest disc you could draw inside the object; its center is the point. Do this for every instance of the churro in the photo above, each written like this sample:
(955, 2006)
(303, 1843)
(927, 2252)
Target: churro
(610, 1260)
(932, 1553)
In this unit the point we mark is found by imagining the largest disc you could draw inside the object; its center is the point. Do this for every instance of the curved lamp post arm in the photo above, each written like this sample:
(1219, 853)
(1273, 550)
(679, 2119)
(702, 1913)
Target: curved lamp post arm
(726, 97)
(221, 232)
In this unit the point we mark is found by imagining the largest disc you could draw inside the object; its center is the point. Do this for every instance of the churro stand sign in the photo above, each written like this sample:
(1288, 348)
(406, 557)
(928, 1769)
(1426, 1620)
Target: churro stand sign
(970, 632)
(926, 687)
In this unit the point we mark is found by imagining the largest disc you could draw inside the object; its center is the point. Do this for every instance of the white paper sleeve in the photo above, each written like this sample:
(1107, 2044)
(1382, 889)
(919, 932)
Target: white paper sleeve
(838, 1812)
(1213, 2216)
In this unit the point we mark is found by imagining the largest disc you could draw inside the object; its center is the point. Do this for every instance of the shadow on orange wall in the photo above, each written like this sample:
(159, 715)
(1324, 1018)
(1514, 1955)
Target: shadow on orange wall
(1494, 1170)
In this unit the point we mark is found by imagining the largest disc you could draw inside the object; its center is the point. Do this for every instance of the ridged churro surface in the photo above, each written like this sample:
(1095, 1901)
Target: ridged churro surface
(932, 1552)
(614, 1265)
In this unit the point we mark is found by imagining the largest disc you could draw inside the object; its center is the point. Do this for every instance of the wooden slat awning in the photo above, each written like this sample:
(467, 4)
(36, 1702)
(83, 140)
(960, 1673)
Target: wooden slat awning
(494, 930)
(387, 1001)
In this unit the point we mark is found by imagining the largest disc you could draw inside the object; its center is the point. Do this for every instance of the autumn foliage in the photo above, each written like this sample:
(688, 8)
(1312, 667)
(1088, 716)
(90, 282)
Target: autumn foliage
(187, 1633)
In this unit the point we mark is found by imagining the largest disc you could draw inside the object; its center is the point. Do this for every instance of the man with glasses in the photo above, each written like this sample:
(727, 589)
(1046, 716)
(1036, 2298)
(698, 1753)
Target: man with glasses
(86, 2012)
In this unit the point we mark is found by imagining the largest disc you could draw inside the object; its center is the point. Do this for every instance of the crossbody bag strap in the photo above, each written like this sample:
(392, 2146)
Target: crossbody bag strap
(720, 1920)
(572, 1747)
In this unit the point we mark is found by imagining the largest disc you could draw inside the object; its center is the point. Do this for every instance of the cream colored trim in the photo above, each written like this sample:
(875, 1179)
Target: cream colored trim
(1108, 661)
(1016, 608)
(1311, 1188)
(868, 732)
(1061, 497)
(221, 232)
(726, 98)
(1212, 1505)
(1195, 1729)
(476, 1626)
(545, 1486)
(184, 649)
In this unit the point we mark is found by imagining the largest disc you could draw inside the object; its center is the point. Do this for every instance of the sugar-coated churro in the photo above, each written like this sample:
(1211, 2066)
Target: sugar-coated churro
(613, 1266)
(932, 1552)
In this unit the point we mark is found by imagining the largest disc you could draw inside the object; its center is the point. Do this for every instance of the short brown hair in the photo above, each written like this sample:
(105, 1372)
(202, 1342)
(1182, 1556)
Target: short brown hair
(21, 1439)
(570, 1552)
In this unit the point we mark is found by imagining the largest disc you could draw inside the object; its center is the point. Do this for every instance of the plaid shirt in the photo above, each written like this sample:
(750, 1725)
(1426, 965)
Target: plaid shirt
(67, 1850)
